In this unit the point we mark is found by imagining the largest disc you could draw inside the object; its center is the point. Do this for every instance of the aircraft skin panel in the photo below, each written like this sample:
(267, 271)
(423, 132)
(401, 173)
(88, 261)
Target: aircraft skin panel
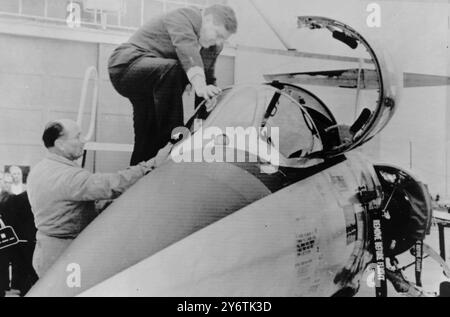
(358, 172)
(147, 219)
(161, 209)
(298, 241)
(318, 243)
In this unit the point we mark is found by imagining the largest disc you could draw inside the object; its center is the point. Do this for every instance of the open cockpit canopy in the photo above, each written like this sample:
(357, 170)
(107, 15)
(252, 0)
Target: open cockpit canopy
(358, 85)
(310, 108)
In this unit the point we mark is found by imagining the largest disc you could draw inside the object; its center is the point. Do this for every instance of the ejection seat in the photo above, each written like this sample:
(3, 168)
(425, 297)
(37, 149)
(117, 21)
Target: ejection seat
(340, 134)
(407, 218)
(407, 209)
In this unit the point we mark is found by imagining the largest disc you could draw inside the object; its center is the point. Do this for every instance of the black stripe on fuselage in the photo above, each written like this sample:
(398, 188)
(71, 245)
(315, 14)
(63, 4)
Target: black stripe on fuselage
(286, 176)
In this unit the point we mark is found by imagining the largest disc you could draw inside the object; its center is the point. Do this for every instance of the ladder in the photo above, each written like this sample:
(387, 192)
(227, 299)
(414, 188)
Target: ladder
(91, 72)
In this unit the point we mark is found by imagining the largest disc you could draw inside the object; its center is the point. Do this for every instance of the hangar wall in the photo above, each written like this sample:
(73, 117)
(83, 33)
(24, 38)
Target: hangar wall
(41, 79)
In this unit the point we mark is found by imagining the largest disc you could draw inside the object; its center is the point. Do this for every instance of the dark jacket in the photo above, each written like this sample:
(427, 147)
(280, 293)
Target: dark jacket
(174, 35)
(15, 211)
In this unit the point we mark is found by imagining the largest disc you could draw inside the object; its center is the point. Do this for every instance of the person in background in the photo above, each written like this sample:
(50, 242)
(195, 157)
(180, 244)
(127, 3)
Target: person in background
(2, 183)
(5, 255)
(62, 194)
(16, 212)
(7, 182)
(17, 186)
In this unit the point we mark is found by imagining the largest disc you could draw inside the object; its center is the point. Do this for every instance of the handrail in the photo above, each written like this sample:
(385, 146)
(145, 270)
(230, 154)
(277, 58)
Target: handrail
(89, 72)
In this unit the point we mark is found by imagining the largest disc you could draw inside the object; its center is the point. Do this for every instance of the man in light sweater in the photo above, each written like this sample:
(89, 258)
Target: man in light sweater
(62, 194)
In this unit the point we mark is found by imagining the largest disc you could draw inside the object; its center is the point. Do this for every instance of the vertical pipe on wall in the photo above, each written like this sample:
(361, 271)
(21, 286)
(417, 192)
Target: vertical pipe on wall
(120, 12)
(142, 12)
(45, 8)
(447, 136)
(446, 170)
(99, 78)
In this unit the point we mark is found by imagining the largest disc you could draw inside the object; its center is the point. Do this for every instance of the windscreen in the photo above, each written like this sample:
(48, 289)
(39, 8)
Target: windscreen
(349, 74)
(278, 118)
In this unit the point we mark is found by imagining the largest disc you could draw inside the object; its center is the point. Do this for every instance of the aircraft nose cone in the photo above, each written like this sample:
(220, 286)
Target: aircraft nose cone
(165, 206)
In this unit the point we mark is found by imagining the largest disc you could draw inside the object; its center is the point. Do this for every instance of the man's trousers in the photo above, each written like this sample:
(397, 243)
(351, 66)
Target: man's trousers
(47, 252)
(155, 87)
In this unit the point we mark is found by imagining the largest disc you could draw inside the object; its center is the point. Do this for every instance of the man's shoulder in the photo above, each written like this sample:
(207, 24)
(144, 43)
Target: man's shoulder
(48, 167)
(41, 165)
(190, 12)
(36, 168)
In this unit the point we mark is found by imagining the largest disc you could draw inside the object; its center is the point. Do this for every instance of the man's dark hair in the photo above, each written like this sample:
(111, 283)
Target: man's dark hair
(52, 132)
(223, 15)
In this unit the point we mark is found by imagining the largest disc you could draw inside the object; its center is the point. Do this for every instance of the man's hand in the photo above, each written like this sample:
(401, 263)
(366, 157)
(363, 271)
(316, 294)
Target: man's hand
(162, 155)
(202, 90)
(207, 92)
(156, 161)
